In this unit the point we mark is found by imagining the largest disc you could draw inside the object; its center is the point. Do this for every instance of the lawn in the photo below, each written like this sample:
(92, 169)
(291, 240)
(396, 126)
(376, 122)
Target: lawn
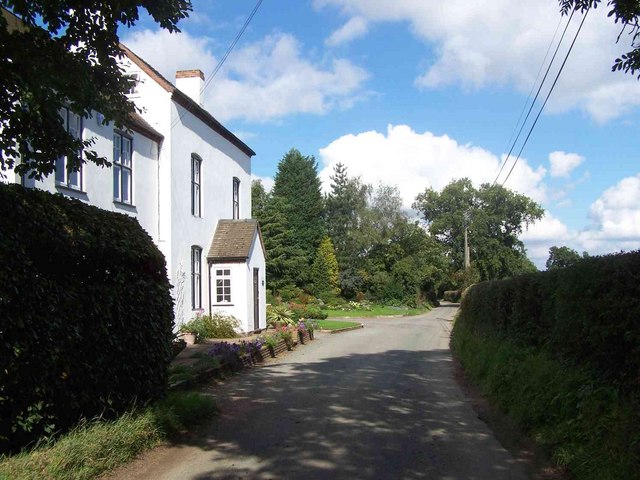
(335, 324)
(376, 311)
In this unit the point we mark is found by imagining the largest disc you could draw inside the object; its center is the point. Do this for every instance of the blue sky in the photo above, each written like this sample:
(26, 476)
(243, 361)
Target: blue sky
(416, 93)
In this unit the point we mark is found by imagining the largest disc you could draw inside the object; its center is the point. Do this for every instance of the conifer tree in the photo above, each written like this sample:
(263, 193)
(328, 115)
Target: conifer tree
(324, 271)
(297, 185)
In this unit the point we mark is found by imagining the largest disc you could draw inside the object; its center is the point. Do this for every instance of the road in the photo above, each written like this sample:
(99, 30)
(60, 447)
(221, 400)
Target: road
(375, 403)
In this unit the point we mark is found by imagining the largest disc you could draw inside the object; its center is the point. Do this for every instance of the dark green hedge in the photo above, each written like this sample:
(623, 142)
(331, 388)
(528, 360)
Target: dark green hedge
(588, 314)
(86, 314)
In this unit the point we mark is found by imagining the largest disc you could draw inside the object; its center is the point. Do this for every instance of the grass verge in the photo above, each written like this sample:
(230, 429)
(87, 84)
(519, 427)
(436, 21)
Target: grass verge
(99, 446)
(588, 427)
(376, 311)
(335, 324)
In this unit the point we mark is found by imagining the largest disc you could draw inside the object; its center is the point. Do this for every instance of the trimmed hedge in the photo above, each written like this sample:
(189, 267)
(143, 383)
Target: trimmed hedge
(587, 314)
(86, 315)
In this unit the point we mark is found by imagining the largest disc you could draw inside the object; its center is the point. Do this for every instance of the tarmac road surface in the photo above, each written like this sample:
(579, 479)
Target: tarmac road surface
(375, 403)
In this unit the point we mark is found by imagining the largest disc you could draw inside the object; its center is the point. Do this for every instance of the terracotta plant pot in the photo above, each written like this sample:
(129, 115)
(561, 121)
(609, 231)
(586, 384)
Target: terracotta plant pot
(189, 337)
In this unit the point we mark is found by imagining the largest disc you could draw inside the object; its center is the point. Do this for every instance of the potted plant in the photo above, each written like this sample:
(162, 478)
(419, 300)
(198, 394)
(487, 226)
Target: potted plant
(187, 334)
(286, 334)
(271, 342)
(302, 328)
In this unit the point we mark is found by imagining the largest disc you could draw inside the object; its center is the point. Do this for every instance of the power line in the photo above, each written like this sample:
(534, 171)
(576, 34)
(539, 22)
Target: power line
(225, 56)
(231, 47)
(548, 95)
(536, 96)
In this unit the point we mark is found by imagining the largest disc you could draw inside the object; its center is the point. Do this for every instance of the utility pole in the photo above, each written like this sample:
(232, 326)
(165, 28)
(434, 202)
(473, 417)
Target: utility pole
(467, 258)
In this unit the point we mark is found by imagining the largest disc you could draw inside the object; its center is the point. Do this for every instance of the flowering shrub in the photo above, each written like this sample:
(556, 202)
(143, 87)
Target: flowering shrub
(271, 341)
(231, 353)
(212, 326)
(286, 333)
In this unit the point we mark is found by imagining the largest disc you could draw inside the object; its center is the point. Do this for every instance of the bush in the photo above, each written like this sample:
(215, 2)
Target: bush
(452, 295)
(586, 314)
(289, 293)
(307, 311)
(86, 324)
(587, 426)
(212, 326)
(279, 314)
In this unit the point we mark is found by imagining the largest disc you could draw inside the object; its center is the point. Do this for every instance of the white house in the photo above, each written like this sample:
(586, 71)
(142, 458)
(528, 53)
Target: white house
(187, 179)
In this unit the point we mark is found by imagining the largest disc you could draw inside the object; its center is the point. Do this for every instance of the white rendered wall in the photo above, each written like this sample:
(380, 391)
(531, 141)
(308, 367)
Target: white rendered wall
(155, 103)
(239, 299)
(97, 182)
(257, 260)
(221, 162)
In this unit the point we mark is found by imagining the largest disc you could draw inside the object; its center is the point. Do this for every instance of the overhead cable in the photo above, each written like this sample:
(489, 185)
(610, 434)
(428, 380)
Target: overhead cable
(548, 95)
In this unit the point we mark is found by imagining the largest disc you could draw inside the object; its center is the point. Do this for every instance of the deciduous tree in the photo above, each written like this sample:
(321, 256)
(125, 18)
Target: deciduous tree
(560, 257)
(55, 53)
(626, 13)
(494, 216)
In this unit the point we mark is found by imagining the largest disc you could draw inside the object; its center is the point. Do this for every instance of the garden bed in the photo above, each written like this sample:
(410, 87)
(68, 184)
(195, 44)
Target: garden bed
(226, 368)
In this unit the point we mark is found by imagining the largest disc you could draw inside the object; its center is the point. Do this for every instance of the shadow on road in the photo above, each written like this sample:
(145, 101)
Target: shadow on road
(396, 414)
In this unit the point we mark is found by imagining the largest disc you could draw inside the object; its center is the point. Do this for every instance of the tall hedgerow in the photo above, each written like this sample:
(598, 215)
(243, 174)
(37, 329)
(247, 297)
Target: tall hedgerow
(86, 314)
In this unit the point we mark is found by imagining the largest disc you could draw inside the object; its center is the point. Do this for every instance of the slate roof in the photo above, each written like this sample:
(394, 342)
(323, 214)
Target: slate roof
(233, 240)
(187, 102)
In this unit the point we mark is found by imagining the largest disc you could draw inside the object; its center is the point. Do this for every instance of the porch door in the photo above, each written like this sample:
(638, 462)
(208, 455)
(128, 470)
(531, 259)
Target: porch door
(256, 299)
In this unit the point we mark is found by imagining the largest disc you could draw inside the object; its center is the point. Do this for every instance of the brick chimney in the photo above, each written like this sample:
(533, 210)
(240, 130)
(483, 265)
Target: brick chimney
(191, 82)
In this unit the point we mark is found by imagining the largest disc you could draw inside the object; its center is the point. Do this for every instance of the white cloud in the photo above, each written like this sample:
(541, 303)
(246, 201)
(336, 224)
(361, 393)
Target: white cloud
(615, 226)
(414, 161)
(562, 164)
(354, 28)
(170, 52)
(267, 182)
(260, 82)
(544, 234)
(477, 44)
(616, 214)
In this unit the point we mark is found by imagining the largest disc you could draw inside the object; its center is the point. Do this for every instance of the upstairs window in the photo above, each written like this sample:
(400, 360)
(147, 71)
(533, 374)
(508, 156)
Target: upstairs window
(72, 124)
(196, 278)
(122, 169)
(134, 78)
(196, 167)
(236, 198)
(223, 285)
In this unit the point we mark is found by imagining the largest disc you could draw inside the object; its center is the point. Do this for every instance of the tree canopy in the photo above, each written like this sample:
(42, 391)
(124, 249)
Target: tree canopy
(495, 217)
(627, 14)
(64, 53)
(561, 257)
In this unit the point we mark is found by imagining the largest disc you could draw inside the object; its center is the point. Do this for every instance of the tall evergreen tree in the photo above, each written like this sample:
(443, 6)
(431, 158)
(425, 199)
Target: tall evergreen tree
(286, 262)
(259, 199)
(298, 186)
(345, 207)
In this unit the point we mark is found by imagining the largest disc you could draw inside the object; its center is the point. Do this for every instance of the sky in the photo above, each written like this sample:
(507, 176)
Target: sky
(416, 93)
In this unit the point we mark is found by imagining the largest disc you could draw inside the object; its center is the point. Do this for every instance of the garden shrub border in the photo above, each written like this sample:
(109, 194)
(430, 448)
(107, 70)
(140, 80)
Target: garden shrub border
(559, 351)
(86, 324)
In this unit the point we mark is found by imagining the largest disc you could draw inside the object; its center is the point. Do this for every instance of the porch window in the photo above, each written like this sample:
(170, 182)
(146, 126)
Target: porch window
(223, 285)
(122, 169)
(64, 177)
(196, 278)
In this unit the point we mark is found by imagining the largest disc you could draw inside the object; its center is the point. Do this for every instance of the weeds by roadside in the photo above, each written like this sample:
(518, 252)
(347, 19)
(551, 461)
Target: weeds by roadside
(99, 446)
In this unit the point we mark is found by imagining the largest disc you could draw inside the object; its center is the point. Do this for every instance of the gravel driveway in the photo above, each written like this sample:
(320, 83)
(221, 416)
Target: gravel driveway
(374, 403)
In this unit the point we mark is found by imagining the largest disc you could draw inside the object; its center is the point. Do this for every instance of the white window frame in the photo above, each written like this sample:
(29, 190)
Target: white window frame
(63, 177)
(196, 186)
(133, 91)
(122, 168)
(236, 198)
(196, 278)
(223, 286)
